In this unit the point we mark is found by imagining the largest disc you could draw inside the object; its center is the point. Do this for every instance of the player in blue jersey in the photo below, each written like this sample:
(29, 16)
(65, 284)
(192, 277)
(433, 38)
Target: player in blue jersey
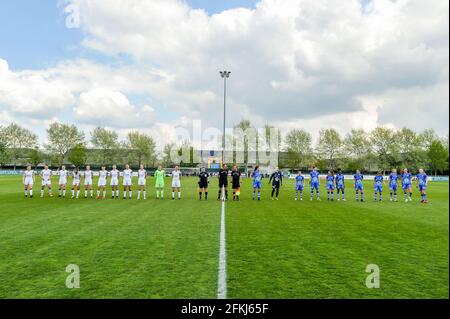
(277, 181)
(393, 184)
(330, 186)
(407, 185)
(314, 183)
(378, 182)
(299, 179)
(422, 183)
(340, 185)
(359, 187)
(257, 177)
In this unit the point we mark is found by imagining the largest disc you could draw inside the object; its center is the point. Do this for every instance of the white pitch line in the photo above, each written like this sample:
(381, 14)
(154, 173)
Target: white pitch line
(222, 282)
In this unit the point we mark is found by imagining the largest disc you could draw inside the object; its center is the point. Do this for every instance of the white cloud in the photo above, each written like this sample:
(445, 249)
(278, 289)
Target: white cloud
(307, 63)
(111, 108)
(303, 56)
(30, 94)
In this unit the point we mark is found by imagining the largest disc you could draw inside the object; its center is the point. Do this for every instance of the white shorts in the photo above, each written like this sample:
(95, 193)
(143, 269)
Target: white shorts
(76, 183)
(127, 182)
(142, 182)
(62, 182)
(176, 184)
(114, 182)
(47, 183)
(88, 182)
(29, 181)
(101, 183)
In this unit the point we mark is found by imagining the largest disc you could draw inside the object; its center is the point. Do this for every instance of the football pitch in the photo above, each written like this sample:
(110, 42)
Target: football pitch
(274, 249)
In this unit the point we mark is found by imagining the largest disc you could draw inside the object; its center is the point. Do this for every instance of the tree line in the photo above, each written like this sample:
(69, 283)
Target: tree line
(67, 145)
(381, 149)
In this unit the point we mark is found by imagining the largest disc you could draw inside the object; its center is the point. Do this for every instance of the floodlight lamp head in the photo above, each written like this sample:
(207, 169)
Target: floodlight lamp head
(225, 74)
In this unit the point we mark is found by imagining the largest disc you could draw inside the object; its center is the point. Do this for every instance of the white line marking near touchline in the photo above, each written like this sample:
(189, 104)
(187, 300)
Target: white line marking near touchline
(222, 282)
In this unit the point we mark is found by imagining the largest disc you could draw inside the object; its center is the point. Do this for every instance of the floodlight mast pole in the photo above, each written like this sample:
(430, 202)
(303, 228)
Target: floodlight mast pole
(225, 75)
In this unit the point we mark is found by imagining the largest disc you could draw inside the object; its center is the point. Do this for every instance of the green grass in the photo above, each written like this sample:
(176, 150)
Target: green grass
(169, 249)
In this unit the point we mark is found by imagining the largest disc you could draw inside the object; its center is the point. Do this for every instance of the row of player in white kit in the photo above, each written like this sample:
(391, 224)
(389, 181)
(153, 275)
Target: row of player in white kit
(114, 174)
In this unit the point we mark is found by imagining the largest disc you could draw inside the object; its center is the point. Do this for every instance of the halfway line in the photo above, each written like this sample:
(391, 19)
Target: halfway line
(222, 282)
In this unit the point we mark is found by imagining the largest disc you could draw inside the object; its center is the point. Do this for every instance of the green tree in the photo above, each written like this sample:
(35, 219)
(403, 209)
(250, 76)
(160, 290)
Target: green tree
(385, 146)
(268, 130)
(17, 139)
(77, 155)
(411, 153)
(298, 147)
(438, 156)
(3, 153)
(242, 127)
(62, 138)
(427, 137)
(35, 157)
(357, 147)
(142, 147)
(329, 146)
(166, 160)
(107, 142)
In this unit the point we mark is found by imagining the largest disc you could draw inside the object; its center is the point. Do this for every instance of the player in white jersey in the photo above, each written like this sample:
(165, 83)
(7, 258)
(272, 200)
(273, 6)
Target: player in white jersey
(142, 182)
(28, 181)
(101, 186)
(62, 182)
(46, 177)
(127, 183)
(114, 181)
(88, 176)
(76, 181)
(176, 182)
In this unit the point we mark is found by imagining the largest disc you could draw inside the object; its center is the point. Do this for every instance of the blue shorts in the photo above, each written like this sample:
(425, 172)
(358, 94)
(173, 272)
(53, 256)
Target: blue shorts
(340, 186)
(330, 187)
(393, 187)
(257, 185)
(299, 187)
(406, 186)
(422, 188)
(359, 187)
(315, 185)
(378, 189)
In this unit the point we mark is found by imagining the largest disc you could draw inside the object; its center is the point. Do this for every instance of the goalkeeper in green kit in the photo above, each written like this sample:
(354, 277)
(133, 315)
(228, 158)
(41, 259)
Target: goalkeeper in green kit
(159, 176)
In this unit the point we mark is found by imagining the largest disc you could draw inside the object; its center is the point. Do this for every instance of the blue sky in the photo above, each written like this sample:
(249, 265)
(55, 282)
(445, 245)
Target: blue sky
(34, 36)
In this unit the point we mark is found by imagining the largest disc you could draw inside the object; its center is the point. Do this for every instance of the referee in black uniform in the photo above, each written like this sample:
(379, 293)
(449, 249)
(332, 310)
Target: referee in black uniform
(236, 182)
(203, 183)
(223, 181)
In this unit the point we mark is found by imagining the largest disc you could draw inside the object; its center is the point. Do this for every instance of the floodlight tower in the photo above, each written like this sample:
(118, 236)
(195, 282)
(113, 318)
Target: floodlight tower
(225, 75)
